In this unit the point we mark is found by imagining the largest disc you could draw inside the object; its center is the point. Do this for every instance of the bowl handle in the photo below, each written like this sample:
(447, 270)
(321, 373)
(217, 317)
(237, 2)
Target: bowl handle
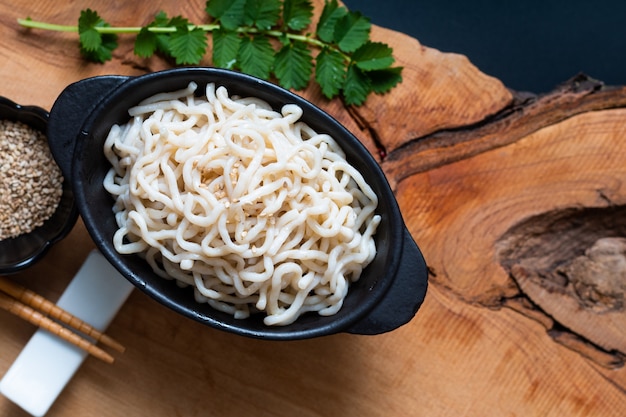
(403, 299)
(69, 112)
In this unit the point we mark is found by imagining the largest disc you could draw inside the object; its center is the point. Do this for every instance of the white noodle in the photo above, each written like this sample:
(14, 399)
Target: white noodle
(251, 207)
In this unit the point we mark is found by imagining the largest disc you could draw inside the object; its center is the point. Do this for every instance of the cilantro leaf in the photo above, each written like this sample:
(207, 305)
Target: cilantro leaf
(187, 46)
(262, 13)
(356, 87)
(293, 65)
(297, 14)
(95, 46)
(352, 31)
(145, 43)
(162, 39)
(178, 21)
(230, 13)
(330, 72)
(256, 56)
(89, 37)
(160, 20)
(382, 81)
(373, 56)
(104, 52)
(225, 48)
(331, 13)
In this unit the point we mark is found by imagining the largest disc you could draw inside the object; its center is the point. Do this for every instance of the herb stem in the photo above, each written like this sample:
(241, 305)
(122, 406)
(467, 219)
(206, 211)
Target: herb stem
(46, 26)
(107, 29)
(170, 29)
(294, 37)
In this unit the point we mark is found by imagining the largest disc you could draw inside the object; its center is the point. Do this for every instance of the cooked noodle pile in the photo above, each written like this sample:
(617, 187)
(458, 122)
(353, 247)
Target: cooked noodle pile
(254, 209)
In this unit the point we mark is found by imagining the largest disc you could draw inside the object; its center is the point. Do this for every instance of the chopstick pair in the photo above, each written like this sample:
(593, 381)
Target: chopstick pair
(42, 313)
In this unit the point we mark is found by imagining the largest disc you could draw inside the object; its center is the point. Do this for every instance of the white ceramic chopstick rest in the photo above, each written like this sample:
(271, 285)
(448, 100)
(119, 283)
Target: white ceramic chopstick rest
(47, 363)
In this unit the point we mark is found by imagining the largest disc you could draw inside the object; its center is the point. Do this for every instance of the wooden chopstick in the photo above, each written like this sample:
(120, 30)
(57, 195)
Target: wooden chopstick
(36, 301)
(24, 303)
(38, 319)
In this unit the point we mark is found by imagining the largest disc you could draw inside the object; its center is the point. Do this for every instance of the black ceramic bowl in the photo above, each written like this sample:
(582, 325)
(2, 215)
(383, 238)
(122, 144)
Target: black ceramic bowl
(389, 291)
(22, 251)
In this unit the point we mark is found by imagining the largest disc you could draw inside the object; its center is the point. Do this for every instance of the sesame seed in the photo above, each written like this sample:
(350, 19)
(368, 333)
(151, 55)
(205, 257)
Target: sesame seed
(31, 184)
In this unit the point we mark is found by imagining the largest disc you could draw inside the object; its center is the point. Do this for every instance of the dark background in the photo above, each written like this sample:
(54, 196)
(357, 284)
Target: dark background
(529, 45)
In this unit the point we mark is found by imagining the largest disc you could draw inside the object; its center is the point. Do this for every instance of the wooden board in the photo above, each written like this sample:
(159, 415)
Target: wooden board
(502, 192)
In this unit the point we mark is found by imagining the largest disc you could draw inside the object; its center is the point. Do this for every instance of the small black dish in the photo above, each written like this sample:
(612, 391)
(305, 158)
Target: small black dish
(389, 291)
(23, 251)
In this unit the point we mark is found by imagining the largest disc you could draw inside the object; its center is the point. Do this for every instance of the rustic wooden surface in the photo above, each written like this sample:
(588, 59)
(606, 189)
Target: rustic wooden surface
(505, 194)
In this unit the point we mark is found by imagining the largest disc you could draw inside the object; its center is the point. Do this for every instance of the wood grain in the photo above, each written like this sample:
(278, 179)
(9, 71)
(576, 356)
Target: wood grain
(478, 170)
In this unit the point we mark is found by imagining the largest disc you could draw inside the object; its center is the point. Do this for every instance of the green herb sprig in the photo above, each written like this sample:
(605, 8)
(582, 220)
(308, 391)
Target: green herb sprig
(339, 55)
